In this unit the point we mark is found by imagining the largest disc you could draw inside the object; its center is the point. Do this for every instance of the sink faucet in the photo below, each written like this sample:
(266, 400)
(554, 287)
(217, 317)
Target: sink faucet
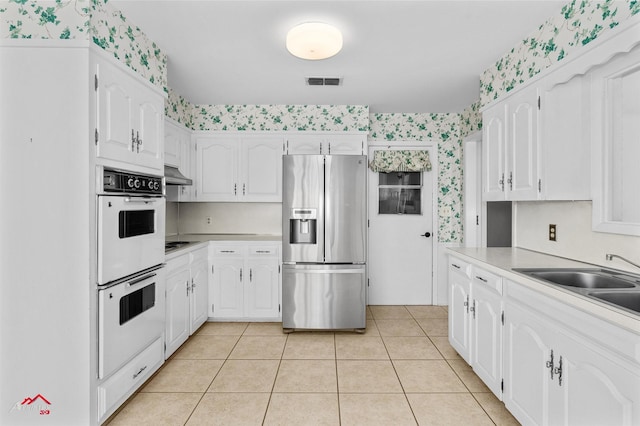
(611, 256)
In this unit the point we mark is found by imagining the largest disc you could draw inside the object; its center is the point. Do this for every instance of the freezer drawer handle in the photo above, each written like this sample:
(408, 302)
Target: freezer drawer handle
(325, 271)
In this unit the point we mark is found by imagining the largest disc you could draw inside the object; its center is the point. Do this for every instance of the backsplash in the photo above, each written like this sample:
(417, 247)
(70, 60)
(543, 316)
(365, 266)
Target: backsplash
(231, 218)
(575, 239)
(445, 130)
(575, 25)
(95, 20)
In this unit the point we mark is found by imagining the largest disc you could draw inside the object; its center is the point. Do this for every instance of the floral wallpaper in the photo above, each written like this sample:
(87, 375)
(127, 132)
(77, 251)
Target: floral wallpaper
(470, 120)
(341, 118)
(95, 20)
(575, 25)
(178, 108)
(445, 130)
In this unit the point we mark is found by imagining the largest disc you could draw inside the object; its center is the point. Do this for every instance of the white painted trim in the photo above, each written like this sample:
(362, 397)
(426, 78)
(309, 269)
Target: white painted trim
(282, 133)
(472, 165)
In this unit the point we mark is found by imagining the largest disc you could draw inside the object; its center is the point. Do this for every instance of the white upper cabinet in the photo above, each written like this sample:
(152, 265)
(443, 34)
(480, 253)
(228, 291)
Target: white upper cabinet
(536, 143)
(327, 144)
(510, 151)
(615, 126)
(130, 124)
(565, 147)
(178, 152)
(494, 145)
(233, 168)
(521, 172)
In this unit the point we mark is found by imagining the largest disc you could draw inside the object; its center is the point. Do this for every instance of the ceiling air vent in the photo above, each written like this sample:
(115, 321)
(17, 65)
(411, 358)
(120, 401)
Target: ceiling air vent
(324, 81)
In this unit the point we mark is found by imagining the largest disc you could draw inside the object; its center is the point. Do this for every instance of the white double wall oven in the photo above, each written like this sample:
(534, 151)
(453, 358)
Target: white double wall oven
(131, 307)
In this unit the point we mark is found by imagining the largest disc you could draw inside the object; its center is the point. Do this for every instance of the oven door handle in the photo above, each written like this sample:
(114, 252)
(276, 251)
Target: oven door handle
(139, 280)
(145, 200)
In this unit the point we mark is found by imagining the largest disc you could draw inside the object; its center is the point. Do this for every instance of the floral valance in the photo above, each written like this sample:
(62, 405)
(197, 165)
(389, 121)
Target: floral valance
(400, 161)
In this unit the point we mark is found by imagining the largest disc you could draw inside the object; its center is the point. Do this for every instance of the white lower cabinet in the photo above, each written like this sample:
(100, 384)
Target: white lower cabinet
(551, 363)
(557, 370)
(245, 281)
(186, 297)
(459, 296)
(475, 320)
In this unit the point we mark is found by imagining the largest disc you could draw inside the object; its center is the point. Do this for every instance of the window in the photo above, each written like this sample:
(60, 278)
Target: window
(400, 193)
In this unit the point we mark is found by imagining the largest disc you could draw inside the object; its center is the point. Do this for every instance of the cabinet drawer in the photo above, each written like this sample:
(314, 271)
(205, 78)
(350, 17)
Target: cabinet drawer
(228, 251)
(487, 279)
(123, 383)
(263, 251)
(458, 266)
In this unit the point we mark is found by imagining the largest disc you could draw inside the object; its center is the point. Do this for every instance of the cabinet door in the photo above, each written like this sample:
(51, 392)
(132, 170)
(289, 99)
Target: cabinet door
(522, 147)
(172, 144)
(459, 294)
(262, 290)
(345, 145)
(594, 389)
(493, 153)
(226, 288)
(304, 145)
(115, 114)
(486, 337)
(149, 127)
(565, 148)
(261, 174)
(177, 328)
(217, 169)
(187, 166)
(199, 302)
(527, 380)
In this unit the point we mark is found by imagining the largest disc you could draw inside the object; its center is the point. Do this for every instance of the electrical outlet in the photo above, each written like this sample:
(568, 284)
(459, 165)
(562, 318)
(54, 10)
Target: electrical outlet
(208, 220)
(552, 232)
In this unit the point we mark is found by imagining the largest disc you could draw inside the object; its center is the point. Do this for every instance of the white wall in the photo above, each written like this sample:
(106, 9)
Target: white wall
(230, 218)
(575, 239)
(171, 221)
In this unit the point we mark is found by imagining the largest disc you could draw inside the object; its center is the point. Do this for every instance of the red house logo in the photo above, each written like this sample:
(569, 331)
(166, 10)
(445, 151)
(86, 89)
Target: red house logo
(38, 404)
(29, 401)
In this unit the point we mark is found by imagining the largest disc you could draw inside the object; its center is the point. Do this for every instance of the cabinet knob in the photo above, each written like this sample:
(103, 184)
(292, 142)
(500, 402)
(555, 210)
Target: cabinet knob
(426, 234)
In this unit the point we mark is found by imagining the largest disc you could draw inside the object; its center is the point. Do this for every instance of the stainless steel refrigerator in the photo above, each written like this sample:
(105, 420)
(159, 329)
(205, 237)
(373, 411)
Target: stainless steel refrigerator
(324, 242)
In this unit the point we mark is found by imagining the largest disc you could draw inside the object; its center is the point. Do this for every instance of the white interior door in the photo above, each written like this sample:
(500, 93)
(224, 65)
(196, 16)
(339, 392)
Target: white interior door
(400, 259)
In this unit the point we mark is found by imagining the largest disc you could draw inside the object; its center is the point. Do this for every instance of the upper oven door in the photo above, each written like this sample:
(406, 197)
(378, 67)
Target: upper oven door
(130, 235)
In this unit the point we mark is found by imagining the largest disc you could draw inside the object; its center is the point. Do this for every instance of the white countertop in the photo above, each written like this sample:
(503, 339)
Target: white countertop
(224, 237)
(501, 261)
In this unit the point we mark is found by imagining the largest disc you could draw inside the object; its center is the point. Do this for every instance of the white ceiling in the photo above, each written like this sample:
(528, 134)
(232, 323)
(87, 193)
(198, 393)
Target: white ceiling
(398, 56)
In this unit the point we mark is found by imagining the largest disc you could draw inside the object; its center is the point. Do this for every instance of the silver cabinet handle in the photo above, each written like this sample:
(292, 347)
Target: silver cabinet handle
(501, 182)
(455, 266)
(139, 372)
(243, 189)
(133, 141)
(558, 371)
(549, 364)
(138, 141)
(235, 189)
(481, 279)
(241, 274)
(510, 181)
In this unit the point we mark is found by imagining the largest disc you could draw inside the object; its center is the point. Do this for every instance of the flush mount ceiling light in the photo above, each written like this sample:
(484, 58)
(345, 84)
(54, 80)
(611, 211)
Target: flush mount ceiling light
(314, 41)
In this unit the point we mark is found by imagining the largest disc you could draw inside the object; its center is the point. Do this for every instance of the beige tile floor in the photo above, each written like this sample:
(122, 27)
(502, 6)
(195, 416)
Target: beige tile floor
(401, 371)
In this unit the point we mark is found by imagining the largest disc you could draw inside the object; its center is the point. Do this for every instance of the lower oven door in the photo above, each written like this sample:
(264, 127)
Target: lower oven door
(131, 316)
(130, 235)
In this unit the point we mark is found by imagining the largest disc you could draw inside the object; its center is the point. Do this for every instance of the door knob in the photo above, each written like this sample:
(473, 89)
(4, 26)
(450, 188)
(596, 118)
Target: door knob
(426, 234)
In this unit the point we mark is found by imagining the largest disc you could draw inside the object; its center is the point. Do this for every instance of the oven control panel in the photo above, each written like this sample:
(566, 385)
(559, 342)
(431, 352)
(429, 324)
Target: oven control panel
(131, 183)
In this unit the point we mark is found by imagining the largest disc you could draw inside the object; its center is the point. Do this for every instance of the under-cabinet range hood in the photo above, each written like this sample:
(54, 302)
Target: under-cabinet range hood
(172, 176)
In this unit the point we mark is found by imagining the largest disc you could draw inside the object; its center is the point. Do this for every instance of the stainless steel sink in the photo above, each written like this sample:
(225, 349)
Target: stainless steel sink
(626, 299)
(582, 279)
(617, 288)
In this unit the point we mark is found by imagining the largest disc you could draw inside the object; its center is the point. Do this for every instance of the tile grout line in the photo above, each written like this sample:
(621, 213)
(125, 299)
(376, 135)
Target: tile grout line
(286, 340)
